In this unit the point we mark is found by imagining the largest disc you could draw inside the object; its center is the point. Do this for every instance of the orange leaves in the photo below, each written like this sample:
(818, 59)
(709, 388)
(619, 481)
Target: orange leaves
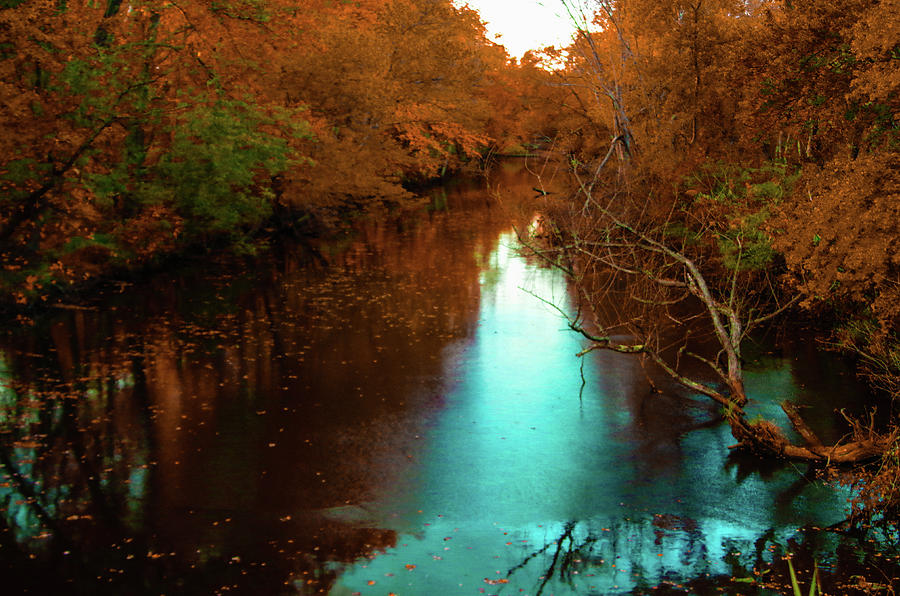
(495, 582)
(396, 90)
(840, 233)
(396, 85)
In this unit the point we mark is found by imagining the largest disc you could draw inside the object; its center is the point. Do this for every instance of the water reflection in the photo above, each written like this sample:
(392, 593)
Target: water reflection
(398, 409)
(531, 484)
(206, 425)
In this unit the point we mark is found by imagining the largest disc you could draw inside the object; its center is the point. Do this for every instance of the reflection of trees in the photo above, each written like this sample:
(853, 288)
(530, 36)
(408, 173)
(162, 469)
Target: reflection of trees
(81, 491)
(75, 461)
(631, 556)
(186, 432)
(566, 557)
(86, 431)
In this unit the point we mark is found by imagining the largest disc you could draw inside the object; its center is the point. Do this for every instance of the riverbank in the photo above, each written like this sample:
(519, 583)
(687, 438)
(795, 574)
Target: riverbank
(64, 272)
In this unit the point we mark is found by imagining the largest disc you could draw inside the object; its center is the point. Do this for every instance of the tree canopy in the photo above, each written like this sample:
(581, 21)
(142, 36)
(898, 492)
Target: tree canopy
(734, 159)
(139, 129)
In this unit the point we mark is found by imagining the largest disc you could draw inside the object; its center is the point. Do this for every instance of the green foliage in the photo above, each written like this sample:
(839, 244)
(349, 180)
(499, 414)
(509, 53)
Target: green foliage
(251, 10)
(737, 199)
(730, 184)
(108, 186)
(21, 171)
(719, 181)
(77, 243)
(683, 234)
(212, 172)
(745, 246)
(97, 88)
(816, 100)
(105, 85)
(885, 126)
(767, 190)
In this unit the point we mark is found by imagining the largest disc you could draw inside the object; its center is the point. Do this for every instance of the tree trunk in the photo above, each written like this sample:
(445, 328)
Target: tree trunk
(766, 439)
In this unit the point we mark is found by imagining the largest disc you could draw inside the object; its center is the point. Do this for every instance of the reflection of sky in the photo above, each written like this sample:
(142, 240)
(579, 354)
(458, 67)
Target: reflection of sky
(28, 485)
(15, 410)
(514, 428)
(515, 454)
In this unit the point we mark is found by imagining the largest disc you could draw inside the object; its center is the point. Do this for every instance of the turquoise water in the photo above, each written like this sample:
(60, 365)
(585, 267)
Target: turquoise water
(403, 413)
(521, 452)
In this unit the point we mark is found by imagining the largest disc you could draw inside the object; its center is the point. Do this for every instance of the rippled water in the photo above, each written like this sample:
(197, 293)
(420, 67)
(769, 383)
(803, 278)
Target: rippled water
(401, 414)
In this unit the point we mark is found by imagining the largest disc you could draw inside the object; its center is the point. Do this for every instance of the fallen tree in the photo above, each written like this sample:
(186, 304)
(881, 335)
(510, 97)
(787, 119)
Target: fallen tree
(639, 293)
(679, 285)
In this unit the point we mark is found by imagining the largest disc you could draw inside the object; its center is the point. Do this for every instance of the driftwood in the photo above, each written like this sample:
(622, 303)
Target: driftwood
(763, 437)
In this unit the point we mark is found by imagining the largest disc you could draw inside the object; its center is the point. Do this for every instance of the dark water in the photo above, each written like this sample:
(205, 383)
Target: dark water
(402, 415)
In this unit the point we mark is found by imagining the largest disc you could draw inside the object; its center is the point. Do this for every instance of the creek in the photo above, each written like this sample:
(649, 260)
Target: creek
(400, 414)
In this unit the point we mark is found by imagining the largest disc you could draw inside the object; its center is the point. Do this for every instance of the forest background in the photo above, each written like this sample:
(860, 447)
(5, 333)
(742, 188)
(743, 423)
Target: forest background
(757, 137)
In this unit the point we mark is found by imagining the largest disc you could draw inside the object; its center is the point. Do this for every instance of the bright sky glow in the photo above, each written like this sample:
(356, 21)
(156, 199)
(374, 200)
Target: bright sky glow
(524, 24)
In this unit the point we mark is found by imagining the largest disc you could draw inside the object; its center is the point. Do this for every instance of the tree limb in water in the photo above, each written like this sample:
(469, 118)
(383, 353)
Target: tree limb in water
(636, 258)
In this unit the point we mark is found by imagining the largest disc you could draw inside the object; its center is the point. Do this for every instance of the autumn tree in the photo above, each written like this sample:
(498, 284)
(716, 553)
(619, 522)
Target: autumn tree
(832, 95)
(645, 289)
(664, 217)
(397, 94)
(648, 74)
(125, 130)
(830, 91)
(146, 128)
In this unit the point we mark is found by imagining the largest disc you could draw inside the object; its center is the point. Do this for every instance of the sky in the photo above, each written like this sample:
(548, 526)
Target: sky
(524, 24)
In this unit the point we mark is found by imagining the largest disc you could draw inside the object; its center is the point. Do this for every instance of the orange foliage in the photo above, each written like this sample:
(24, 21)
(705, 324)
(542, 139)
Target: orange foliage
(814, 86)
(395, 91)
(840, 240)
(830, 84)
(96, 96)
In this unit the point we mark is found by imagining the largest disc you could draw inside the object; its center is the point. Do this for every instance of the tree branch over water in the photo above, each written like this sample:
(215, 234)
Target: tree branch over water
(635, 282)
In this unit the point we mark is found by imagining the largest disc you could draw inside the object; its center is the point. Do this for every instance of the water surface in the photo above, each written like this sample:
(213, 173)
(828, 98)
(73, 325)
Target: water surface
(402, 413)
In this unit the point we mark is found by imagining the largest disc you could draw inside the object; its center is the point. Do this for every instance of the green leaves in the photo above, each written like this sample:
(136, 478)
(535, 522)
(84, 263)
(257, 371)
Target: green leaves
(746, 247)
(250, 10)
(221, 151)
(739, 200)
(7, 4)
(21, 171)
